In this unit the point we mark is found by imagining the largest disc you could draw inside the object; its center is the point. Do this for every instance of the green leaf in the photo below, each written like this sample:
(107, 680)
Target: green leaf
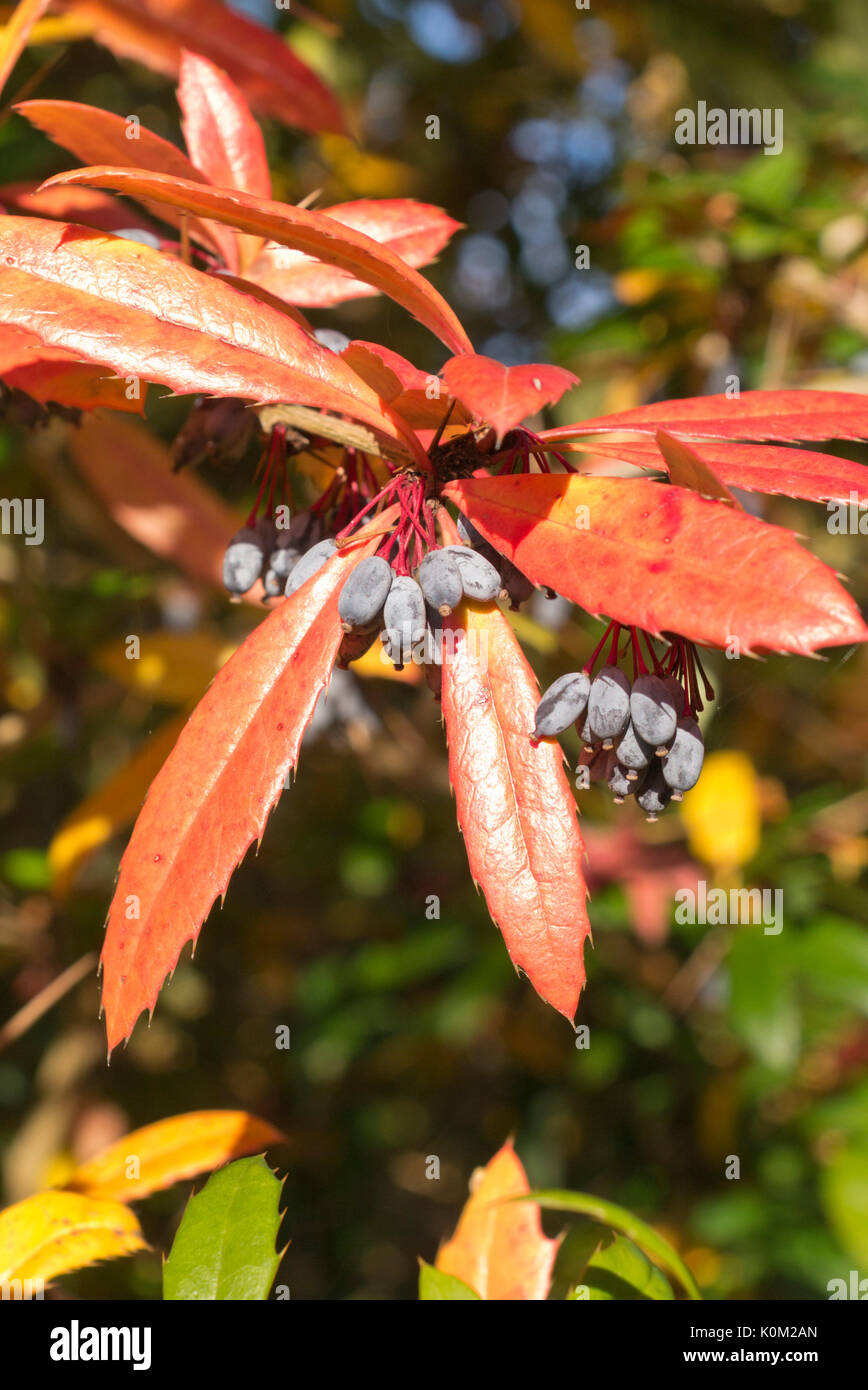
(833, 957)
(621, 1271)
(763, 1008)
(584, 1204)
(844, 1190)
(225, 1244)
(437, 1287)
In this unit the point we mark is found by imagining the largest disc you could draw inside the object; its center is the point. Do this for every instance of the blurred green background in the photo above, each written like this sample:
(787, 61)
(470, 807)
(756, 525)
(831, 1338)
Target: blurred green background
(411, 1035)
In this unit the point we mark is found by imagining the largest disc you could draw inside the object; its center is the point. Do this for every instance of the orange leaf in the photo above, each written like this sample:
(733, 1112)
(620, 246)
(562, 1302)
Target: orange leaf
(169, 1151)
(504, 396)
(212, 798)
(515, 806)
(498, 1247)
(53, 374)
(315, 233)
(14, 35)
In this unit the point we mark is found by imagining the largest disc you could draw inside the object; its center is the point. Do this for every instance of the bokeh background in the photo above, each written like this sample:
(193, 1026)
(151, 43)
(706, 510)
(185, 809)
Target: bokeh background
(411, 1035)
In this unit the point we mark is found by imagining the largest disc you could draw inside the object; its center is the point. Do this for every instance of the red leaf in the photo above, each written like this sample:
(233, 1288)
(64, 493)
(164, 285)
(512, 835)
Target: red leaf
(15, 33)
(147, 315)
(100, 137)
(156, 32)
(86, 205)
(498, 1247)
(504, 396)
(661, 558)
(515, 807)
(313, 232)
(758, 468)
(213, 795)
(416, 232)
(222, 137)
(788, 415)
(52, 374)
(407, 390)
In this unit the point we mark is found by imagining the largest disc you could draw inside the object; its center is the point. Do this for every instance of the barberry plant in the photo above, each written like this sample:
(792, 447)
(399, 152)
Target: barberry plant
(443, 506)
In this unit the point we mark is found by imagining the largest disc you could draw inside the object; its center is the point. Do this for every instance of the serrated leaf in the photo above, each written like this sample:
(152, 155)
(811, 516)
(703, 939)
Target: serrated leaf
(159, 1155)
(416, 232)
(437, 1287)
(757, 467)
(225, 1245)
(56, 1232)
(784, 415)
(498, 1247)
(272, 77)
(661, 558)
(87, 205)
(515, 806)
(222, 137)
(315, 233)
(621, 1271)
(504, 396)
(146, 315)
(51, 374)
(212, 798)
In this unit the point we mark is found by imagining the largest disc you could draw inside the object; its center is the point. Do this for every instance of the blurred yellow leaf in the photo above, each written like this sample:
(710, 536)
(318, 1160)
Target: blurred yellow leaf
(174, 668)
(55, 1232)
(14, 36)
(171, 1150)
(635, 286)
(532, 634)
(111, 807)
(367, 175)
(373, 664)
(722, 812)
(552, 28)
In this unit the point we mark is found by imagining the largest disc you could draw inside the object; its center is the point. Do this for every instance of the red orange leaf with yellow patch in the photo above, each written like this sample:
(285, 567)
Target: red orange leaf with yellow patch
(504, 396)
(213, 796)
(222, 138)
(143, 314)
(156, 33)
(315, 233)
(499, 1248)
(416, 232)
(515, 806)
(664, 559)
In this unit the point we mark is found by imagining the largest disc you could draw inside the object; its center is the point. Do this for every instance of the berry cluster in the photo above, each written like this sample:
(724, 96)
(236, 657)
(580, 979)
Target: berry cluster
(641, 737)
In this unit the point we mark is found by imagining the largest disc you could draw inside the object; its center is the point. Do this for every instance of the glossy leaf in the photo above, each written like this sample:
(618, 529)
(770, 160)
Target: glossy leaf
(620, 1219)
(662, 558)
(173, 514)
(56, 1232)
(156, 33)
(757, 467)
(145, 315)
(785, 415)
(53, 374)
(688, 469)
(515, 806)
(100, 137)
(86, 205)
(504, 396)
(212, 798)
(222, 138)
(437, 1287)
(416, 232)
(315, 233)
(159, 1155)
(15, 33)
(225, 1245)
(109, 809)
(499, 1248)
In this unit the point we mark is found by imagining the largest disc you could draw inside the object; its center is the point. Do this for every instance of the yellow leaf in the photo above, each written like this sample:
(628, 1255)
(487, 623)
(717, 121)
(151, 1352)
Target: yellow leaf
(111, 807)
(164, 1153)
(722, 812)
(173, 668)
(367, 175)
(373, 664)
(14, 36)
(55, 1232)
(532, 634)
